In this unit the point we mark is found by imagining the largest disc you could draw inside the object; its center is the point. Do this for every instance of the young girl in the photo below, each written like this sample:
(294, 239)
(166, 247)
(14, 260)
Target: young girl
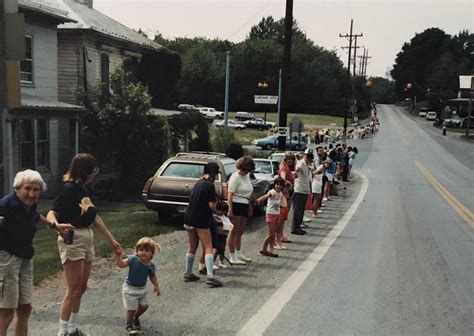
(134, 291)
(222, 228)
(272, 216)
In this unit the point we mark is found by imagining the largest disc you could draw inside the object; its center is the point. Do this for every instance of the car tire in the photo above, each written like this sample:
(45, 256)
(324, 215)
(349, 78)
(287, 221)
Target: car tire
(268, 146)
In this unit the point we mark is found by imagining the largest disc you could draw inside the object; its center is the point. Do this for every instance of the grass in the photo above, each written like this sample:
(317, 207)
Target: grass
(246, 137)
(127, 221)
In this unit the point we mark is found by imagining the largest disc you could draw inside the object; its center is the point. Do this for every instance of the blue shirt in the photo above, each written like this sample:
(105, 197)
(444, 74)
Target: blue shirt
(138, 272)
(18, 228)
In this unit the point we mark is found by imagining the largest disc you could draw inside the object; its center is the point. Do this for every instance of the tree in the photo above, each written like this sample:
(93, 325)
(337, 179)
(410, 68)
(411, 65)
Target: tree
(126, 133)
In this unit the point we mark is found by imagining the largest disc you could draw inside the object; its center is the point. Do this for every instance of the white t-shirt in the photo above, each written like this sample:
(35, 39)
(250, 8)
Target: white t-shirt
(273, 202)
(241, 187)
(302, 182)
(317, 183)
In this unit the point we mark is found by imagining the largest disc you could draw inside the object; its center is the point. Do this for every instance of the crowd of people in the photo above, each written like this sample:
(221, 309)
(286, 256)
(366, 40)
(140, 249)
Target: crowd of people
(306, 182)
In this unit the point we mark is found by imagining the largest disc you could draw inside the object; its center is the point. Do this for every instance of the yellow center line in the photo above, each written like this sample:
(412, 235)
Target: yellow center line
(462, 211)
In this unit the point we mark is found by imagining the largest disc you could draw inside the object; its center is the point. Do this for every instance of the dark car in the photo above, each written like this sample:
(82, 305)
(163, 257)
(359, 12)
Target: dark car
(258, 123)
(168, 191)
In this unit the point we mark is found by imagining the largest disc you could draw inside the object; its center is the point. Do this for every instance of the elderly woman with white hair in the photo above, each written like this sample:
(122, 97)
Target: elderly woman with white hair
(18, 225)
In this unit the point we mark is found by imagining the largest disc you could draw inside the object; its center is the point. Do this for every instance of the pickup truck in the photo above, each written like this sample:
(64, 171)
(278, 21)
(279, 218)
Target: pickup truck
(258, 123)
(211, 113)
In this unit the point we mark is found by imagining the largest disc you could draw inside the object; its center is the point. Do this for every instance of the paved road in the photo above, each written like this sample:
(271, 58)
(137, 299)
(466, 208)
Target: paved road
(405, 264)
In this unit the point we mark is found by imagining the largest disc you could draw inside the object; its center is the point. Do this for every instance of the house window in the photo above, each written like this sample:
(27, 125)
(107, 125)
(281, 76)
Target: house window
(26, 144)
(34, 143)
(42, 148)
(104, 72)
(26, 66)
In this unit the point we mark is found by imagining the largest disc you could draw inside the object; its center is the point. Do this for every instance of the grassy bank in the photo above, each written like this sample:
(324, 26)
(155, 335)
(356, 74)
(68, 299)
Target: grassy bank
(127, 221)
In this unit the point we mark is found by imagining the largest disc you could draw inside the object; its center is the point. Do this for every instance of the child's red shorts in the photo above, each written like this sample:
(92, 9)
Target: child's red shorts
(283, 214)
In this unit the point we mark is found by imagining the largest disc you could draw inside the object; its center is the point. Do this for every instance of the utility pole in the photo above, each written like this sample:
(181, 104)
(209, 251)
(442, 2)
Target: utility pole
(361, 63)
(350, 37)
(285, 72)
(226, 100)
(365, 63)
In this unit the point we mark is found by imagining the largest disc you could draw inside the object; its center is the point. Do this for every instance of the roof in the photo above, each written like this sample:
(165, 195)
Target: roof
(90, 18)
(40, 103)
(43, 8)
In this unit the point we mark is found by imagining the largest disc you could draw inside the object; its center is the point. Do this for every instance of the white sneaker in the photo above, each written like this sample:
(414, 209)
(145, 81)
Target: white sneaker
(215, 267)
(244, 258)
(320, 211)
(306, 219)
(325, 199)
(323, 205)
(237, 262)
(303, 225)
(221, 265)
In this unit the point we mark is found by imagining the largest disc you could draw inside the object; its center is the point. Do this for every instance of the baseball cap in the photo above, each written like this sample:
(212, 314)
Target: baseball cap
(211, 168)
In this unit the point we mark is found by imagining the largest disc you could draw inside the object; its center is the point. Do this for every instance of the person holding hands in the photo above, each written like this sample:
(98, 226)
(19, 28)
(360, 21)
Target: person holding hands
(134, 291)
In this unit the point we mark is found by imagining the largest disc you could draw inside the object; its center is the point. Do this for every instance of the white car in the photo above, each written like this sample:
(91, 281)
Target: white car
(230, 124)
(423, 112)
(431, 115)
(266, 169)
(211, 113)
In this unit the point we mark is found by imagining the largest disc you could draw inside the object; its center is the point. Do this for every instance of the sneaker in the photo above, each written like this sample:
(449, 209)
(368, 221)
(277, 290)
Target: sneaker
(325, 199)
(323, 205)
(77, 332)
(303, 225)
(190, 277)
(203, 271)
(215, 267)
(320, 211)
(131, 330)
(306, 218)
(222, 265)
(136, 323)
(213, 282)
(237, 262)
(244, 258)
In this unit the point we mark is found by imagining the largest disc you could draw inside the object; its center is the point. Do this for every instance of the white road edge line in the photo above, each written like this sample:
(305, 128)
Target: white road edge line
(270, 309)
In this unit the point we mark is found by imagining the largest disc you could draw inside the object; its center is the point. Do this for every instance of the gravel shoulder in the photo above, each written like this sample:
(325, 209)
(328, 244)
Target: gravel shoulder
(190, 308)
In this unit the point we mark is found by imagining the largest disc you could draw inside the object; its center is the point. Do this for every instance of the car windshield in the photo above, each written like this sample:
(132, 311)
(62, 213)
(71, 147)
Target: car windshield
(263, 167)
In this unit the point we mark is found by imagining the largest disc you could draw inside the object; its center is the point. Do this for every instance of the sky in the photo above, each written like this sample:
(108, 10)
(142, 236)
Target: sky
(385, 24)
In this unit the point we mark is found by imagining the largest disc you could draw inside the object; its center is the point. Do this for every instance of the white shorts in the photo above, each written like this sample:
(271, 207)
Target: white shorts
(133, 296)
(16, 280)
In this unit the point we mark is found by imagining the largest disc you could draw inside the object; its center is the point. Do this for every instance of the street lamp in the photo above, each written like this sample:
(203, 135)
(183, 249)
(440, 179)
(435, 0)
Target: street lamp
(263, 85)
(409, 88)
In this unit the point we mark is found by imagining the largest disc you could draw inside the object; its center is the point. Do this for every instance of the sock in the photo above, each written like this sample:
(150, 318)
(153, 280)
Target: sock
(209, 258)
(62, 327)
(202, 266)
(189, 263)
(237, 253)
(232, 256)
(72, 325)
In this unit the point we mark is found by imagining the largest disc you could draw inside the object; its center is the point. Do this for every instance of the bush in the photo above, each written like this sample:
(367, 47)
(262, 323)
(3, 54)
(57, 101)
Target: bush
(222, 138)
(235, 151)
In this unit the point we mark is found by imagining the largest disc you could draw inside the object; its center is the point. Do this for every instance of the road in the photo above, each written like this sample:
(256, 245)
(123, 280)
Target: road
(389, 256)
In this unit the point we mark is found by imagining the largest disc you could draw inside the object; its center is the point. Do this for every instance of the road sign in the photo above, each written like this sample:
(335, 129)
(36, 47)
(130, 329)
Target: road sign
(265, 99)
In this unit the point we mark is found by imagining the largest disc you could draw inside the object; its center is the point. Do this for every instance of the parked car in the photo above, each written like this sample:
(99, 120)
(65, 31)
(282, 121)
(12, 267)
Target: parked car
(431, 115)
(266, 169)
(259, 123)
(423, 111)
(242, 116)
(187, 107)
(464, 122)
(211, 113)
(454, 121)
(230, 124)
(271, 142)
(169, 189)
(277, 156)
